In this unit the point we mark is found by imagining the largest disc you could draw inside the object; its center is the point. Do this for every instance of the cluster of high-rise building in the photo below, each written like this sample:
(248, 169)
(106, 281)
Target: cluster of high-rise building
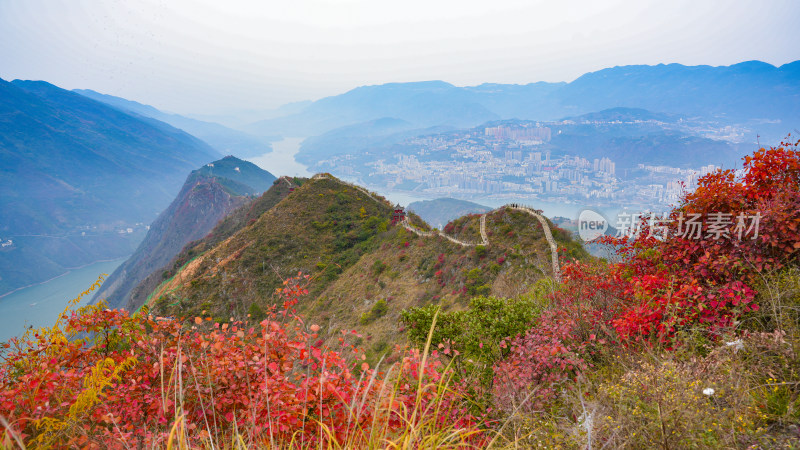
(604, 165)
(684, 178)
(493, 166)
(474, 168)
(512, 160)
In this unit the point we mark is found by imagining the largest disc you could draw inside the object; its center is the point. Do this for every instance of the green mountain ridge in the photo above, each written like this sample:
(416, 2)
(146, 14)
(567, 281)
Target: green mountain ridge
(232, 222)
(344, 239)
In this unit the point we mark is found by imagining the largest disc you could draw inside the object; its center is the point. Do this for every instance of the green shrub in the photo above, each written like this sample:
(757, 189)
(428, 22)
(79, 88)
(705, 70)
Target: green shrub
(664, 404)
(378, 267)
(372, 223)
(379, 309)
(483, 289)
(475, 333)
(256, 313)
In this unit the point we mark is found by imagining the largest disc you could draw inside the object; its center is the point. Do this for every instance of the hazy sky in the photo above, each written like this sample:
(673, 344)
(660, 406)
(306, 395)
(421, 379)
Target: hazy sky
(208, 56)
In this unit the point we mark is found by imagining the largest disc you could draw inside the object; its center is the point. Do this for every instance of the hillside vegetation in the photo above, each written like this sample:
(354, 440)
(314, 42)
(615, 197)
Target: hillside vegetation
(364, 270)
(225, 228)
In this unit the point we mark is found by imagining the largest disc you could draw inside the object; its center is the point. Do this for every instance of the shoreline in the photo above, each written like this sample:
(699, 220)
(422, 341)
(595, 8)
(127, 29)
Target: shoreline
(69, 270)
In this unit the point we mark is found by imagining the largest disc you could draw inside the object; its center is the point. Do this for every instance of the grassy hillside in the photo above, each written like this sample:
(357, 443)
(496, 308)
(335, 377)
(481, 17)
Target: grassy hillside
(231, 223)
(363, 270)
(319, 228)
(407, 271)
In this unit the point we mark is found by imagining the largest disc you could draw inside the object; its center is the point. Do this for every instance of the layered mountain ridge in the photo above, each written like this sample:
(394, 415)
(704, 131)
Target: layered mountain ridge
(751, 92)
(80, 179)
(225, 140)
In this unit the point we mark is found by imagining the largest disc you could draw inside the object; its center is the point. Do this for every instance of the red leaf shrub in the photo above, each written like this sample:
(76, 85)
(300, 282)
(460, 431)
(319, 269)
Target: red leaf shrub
(115, 381)
(769, 186)
(660, 288)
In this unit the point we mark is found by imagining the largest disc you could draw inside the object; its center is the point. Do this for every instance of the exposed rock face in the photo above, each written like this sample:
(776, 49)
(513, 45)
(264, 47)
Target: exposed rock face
(203, 201)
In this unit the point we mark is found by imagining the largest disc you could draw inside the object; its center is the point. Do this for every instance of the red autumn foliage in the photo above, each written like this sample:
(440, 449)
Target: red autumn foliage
(275, 380)
(538, 363)
(769, 186)
(660, 288)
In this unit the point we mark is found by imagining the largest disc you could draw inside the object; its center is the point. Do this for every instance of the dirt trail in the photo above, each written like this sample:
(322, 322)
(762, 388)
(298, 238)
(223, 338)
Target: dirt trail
(484, 237)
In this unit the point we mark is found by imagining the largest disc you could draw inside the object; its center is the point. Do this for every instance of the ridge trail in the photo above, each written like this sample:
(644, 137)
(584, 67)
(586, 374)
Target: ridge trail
(288, 182)
(484, 237)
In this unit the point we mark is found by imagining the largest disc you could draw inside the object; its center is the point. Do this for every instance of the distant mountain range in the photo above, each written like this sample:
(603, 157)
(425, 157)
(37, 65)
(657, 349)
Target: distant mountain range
(421, 104)
(208, 195)
(753, 92)
(225, 140)
(78, 176)
(632, 136)
(747, 91)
